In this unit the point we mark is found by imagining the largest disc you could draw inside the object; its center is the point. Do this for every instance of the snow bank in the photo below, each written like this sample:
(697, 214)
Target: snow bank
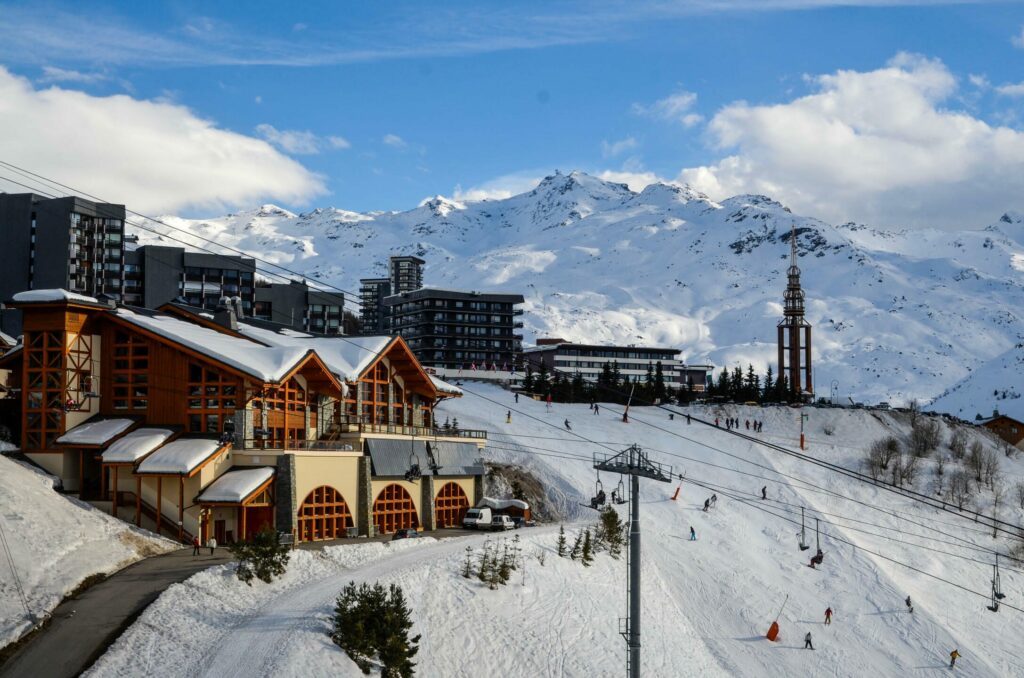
(504, 503)
(56, 542)
(96, 432)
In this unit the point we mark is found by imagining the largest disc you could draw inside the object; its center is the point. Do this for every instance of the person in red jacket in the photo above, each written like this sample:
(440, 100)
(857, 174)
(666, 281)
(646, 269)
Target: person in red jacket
(828, 616)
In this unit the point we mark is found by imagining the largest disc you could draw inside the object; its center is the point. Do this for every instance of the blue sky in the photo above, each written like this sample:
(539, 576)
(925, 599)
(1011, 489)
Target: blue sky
(378, 105)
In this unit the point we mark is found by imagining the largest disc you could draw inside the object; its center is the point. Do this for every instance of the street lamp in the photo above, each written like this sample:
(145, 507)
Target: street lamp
(803, 417)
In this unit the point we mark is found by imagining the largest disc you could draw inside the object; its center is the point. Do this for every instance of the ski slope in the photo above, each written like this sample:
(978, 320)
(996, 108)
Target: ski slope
(56, 543)
(707, 604)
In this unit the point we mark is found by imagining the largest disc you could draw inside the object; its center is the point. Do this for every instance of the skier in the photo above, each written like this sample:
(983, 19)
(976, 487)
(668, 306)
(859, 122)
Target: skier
(910, 606)
(595, 408)
(807, 642)
(714, 500)
(508, 417)
(517, 396)
(687, 420)
(764, 492)
(747, 422)
(707, 503)
(716, 422)
(693, 534)
(567, 427)
(953, 656)
(549, 403)
(828, 616)
(195, 546)
(817, 559)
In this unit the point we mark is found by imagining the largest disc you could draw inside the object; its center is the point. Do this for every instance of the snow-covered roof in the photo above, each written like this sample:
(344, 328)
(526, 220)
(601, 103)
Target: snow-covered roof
(180, 456)
(52, 295)
(445, 387)
(504, 503)
(346, 357)
(7, 340)
(235, 486)
(96, 432)
(135, 445)
(267, 363)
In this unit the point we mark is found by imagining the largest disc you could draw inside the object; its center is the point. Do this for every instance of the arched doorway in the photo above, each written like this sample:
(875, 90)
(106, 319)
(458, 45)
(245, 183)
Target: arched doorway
(394, 510)
(323, 515)
(450, 505)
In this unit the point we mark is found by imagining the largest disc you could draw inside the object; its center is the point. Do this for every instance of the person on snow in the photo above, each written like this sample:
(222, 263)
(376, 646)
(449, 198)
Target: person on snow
(747, 422)
(595, 408)
(910, 605)
(212, 544)
(807, 642)
(828, 616)
(716, 422)
(687, 420)
(195, 546)
(714, 500)
(707, 503)
(764, 492)
(517, 396)
(693, 534)
(567, 427)
(817, 559)
(953, 656)
(508, 417)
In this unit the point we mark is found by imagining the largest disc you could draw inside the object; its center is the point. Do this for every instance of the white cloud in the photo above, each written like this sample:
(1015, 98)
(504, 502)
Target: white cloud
(1018, 40)
(394, 141)
(979, 81)
(675, 107)
(258, 99)
(880, 146)
(54, 74)
(614, 148)
(1011, 90)
(501, 187)
(155, 157)
(300, 142)
(637, 181)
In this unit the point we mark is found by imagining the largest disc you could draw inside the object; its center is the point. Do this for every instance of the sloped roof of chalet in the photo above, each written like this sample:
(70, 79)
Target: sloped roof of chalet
(96, 431)
(180, 457)
(348, 357)
(7, 340)
(135, 445)
(235, 486)
(267, 363)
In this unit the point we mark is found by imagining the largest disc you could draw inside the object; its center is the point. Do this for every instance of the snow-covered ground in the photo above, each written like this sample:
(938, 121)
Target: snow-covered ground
(707, 604)
(56, 543)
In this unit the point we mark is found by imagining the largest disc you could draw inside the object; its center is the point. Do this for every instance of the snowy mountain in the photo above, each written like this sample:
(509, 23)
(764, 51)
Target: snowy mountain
(897, 314)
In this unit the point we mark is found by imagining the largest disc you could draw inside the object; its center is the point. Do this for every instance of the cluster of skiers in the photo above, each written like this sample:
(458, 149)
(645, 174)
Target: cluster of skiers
(710, 502)
(734, 423)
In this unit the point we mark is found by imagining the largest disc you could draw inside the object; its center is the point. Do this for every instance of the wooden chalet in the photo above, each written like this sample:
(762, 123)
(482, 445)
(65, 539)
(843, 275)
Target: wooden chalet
(200, 424)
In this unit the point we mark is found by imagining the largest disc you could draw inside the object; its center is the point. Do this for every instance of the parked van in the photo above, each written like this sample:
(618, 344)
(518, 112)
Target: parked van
(502, 522)
(477, 518)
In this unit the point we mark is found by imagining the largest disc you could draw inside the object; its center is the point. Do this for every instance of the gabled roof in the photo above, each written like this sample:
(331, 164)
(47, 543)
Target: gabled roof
(136, 445)
(237, 486)
(96, 431)
(347, 357)
(184, 456)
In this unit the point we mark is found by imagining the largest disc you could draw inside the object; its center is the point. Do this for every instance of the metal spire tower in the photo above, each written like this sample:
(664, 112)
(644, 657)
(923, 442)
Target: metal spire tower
(795, 331)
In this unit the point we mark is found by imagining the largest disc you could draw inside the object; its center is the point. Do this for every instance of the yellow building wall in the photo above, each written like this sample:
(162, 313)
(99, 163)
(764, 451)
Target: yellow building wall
(337, 471)
(412, 488)
(56, 464)
(467, 484)
(169, 503)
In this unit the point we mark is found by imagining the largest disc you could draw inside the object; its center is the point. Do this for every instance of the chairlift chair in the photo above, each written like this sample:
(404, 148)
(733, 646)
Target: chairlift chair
(619, 493)
(599, 498)
(997, 589)
(414, 468)
(803, 532)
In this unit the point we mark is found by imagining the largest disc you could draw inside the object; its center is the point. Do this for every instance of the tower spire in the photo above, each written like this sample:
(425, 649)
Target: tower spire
(792, 244)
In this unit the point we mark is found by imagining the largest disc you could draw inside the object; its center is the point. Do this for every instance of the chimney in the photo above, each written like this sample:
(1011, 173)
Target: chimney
(239, 313)
(224, 315)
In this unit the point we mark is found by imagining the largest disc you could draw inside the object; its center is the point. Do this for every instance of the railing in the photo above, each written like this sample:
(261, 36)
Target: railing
(257, 444)
(417, 431)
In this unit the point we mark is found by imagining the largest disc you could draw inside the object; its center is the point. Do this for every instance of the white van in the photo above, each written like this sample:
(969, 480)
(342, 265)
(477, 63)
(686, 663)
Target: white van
(477, 518)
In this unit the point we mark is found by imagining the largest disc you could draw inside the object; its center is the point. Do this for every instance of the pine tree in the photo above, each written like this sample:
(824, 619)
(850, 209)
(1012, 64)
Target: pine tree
(528, 384)
(455, 423)
(577, 547)
(467, 569)
(587, 554)
(263, 557)
(736, 384)
(540, 383)
(660, 391)
(396, 649)
(505, 565)
(611, 531)
(769, 385)
(562, 549)
(484, 573)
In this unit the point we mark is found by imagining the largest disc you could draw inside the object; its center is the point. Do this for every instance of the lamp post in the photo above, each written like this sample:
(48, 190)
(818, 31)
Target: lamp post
(834, 391)
(803, 416)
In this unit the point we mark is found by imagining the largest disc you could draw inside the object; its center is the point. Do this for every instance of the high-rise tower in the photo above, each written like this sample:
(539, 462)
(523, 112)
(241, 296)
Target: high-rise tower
(795, 331)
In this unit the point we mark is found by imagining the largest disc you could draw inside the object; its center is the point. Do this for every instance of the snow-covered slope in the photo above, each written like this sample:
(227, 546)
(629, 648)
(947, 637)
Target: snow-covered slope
(996, 385)
(707, 604)
(56, 543)
(896, 314)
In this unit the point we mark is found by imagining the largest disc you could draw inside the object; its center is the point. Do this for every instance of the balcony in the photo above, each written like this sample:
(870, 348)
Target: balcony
(347, 445)
(416, 431)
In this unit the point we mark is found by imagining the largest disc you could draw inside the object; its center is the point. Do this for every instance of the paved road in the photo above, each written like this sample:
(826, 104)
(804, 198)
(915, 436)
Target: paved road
(83, 626)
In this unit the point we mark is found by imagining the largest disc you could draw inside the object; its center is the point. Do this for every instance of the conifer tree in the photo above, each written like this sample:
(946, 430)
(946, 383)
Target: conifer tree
(484, 572)
(505, 565)
(562, 548)
(528, 384)
(396, 649)
(660, 390)
(577, 547)
(587, 554)
(769, 384)
(263, 557)
(467, 569)
(611, 531)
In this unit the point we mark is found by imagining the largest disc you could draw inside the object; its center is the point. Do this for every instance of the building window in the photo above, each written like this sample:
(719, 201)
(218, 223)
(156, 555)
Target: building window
(130, 372)
(212, 399)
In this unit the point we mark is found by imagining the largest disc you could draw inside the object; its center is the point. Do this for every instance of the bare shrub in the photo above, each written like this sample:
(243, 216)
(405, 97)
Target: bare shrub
(990, 467)
(909, 466)
(974, 461)
(959, 490)
(828, 429)
(958, 444)
(1019, 492)
(924, 437)
(940, 464)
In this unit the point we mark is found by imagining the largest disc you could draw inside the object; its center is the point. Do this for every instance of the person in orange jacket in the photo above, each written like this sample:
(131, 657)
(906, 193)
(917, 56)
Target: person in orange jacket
(953, 656)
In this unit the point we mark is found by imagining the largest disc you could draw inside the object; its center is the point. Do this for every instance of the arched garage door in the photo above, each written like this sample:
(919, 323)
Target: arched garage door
(450, 505)
(323, 515)
(394, 510)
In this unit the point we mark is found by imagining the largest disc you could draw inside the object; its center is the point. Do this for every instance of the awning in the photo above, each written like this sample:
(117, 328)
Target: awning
(135, 445)
(392, 457)
(181, 457)
(96, 432)
(236, 487)
(456, 459)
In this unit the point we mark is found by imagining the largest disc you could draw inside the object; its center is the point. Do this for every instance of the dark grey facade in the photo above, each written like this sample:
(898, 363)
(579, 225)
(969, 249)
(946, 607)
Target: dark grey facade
(68, 243)
(405, 274)
(301, 307)
(155, 275)
(373, 318)
(588, 360)
(456, 329)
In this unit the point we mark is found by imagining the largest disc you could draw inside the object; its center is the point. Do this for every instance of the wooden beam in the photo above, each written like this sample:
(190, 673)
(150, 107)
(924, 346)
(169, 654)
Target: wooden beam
(242, 531)
(113, 506)
(181, 507)
(159, 501)
(81, 472)
(103, 481)
(138, 501)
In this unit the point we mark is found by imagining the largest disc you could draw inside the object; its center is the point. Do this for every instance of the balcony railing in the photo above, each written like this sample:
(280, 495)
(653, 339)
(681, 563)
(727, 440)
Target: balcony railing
(351, 445)
(417, 431)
